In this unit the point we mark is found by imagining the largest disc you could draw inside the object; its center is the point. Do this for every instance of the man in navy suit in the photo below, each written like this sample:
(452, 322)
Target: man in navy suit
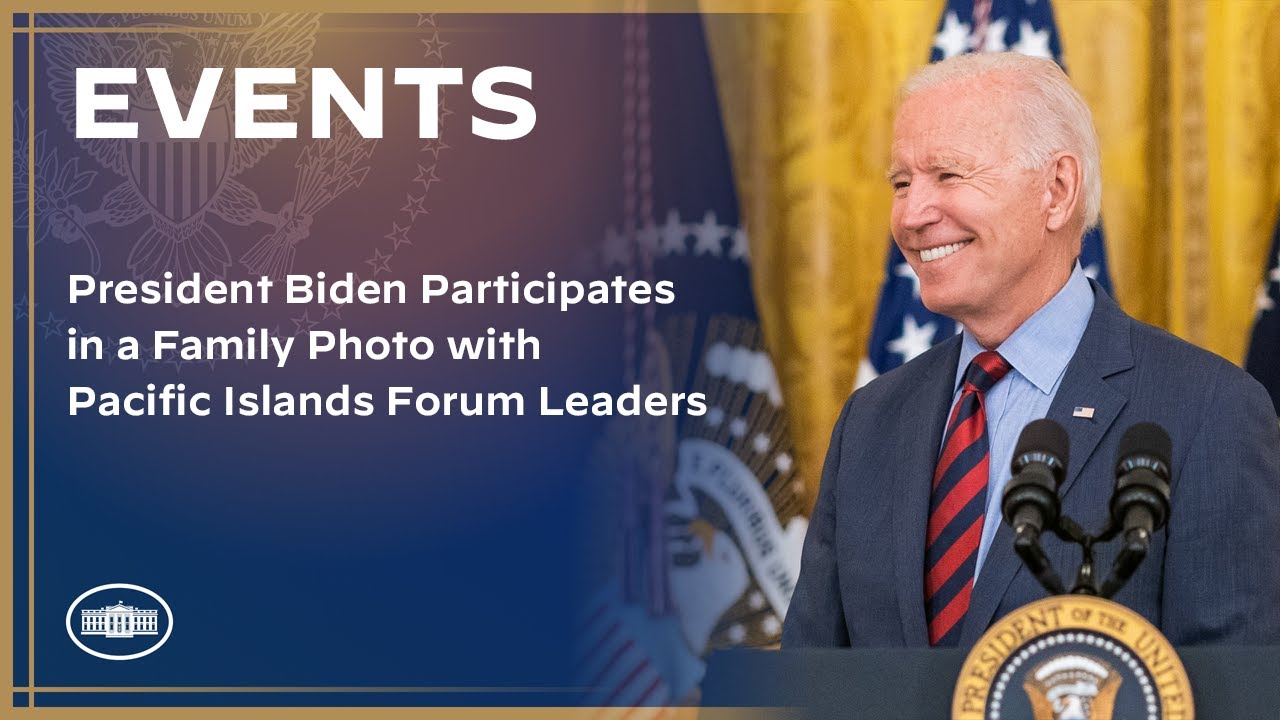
(996, 178)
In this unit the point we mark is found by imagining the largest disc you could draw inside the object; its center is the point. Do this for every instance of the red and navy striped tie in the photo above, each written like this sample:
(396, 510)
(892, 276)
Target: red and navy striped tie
(958, 503)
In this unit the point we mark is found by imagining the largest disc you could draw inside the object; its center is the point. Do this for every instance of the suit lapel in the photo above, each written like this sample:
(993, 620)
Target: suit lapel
(1105, 349)
(919, 437)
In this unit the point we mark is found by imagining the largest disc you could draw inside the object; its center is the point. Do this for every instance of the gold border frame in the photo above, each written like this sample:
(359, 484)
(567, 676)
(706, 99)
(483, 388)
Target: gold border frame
(7, 330)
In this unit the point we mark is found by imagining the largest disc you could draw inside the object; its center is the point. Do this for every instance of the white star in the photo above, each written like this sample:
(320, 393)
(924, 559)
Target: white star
(738, 427)
(756, 600)
(737, 634)
(1091, 271)
(783, 463)
(866, 373)
(1032, 42)
(953, 38)
(715, 416)
(915, 339)
(1263, 300)
(770, 625)
(994, 40)
(708, 234)
(760, 443)
(615, 248)
(649, 238)
(1275, 274)
(673, 234)
(739, 250)
(904, 270)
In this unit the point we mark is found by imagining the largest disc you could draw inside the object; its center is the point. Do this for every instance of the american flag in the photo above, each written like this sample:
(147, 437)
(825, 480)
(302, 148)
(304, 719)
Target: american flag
(712, 511)
(1264, 345)
(903, 327)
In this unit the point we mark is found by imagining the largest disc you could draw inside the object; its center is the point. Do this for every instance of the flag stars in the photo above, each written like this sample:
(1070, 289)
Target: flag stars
(738, 427)
(380, 262)
(739, 250)
(1032, 42)
(915, 339)
(783, 463)
(903, 270)
(760, 443)
(770, 625)
(953, 38)
(737, 633)
(993, 41)
(616, 248)
(673, 235)
(1262, 301)
(756, 600)
(715, 416)
(649, 238)
(708, 234)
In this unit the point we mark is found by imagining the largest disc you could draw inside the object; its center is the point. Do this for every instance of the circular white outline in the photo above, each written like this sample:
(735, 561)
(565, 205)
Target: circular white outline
(122, 586)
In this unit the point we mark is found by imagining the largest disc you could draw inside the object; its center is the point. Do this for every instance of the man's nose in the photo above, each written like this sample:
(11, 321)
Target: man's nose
(918, 207)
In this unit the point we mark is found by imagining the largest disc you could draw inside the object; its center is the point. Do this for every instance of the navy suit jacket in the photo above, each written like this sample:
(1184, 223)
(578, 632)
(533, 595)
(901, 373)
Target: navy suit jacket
(1212, 575)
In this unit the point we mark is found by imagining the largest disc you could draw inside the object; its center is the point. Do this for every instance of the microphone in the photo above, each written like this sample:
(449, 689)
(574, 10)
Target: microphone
(1030, 502)
(1141, 500)
(1140, 504)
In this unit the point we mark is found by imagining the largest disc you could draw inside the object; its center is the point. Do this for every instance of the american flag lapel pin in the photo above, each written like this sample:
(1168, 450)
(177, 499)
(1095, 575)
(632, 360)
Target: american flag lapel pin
(1082, 412)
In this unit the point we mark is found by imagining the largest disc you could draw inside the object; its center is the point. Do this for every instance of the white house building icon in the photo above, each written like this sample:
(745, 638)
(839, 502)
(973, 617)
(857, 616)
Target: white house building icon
(119, 621)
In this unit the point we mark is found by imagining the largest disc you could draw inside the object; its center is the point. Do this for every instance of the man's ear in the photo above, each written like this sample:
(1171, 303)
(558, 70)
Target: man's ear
(1065, 192)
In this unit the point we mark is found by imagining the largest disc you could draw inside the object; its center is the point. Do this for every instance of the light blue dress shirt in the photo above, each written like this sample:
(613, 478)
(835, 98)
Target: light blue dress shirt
(1039, 351)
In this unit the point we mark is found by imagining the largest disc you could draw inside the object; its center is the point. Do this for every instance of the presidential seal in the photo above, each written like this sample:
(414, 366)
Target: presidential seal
(1072, 657)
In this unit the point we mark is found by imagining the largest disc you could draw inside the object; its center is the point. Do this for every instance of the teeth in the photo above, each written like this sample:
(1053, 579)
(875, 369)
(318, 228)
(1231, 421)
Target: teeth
(940, 252)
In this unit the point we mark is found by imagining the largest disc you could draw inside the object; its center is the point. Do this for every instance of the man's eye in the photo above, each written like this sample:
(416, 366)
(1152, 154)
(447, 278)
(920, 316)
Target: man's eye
(947, 176)
(900, 185)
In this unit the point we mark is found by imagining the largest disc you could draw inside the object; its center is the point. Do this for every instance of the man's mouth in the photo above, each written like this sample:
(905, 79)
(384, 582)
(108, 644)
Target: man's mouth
(938, 253)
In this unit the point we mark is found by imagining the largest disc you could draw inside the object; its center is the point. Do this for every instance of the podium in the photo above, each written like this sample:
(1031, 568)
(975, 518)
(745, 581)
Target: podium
(1229, 683)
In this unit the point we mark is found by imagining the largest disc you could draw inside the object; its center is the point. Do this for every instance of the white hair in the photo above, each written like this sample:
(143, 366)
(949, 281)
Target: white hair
(1050, 110)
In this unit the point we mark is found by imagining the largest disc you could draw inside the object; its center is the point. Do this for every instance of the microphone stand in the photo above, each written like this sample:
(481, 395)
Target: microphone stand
(1137, 542)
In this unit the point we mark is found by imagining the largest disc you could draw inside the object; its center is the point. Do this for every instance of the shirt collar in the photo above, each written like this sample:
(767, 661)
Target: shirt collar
(1042, 346)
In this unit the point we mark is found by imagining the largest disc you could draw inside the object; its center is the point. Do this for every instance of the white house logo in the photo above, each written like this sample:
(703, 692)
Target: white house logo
(119, 621)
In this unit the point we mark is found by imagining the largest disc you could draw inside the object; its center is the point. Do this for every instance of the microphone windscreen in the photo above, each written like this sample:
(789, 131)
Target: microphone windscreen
(1148, 439)
(1044, 436)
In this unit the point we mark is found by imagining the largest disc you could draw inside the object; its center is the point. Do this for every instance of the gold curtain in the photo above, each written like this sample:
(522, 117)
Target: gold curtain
(1186, 97)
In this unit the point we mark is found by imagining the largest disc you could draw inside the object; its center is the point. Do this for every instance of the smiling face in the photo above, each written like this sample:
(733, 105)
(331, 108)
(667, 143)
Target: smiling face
(973, 224)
